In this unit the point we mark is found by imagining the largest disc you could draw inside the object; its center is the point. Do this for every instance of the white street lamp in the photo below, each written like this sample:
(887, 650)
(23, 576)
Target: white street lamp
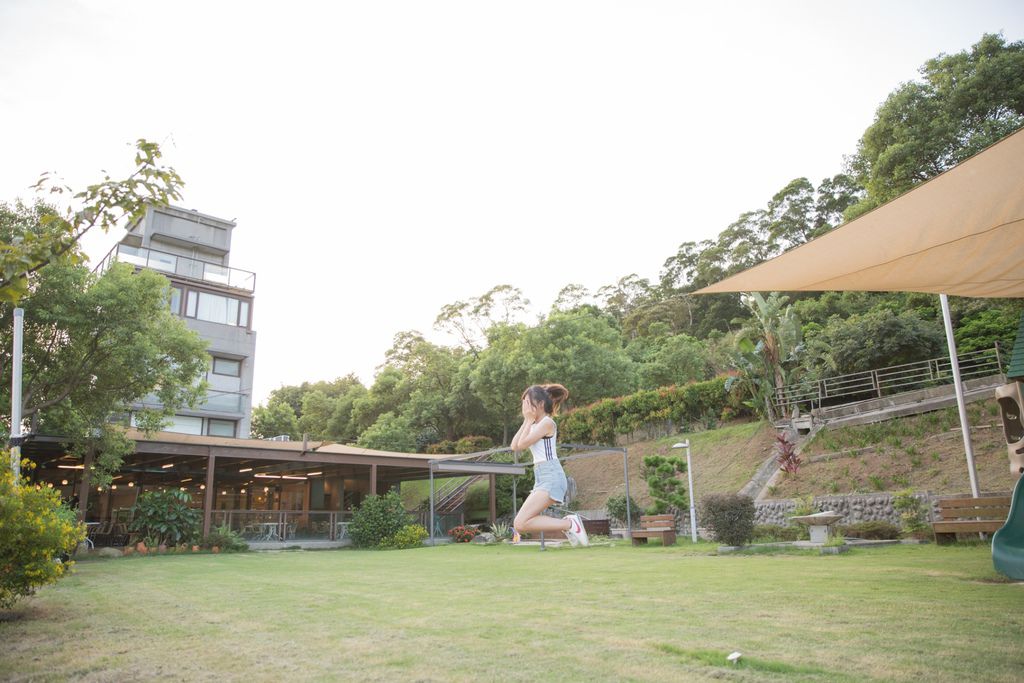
(689, 476)
(16, 438)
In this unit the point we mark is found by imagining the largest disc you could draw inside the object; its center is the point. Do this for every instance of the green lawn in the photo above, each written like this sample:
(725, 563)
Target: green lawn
(502, 613)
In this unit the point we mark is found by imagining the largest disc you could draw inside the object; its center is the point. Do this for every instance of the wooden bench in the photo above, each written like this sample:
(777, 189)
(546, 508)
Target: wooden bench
(598, 527)
(656, 526)
(970, 515)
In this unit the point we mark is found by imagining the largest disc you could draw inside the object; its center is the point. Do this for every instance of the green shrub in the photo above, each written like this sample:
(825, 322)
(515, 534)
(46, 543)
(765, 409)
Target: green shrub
(225, 539)
(836, 539)
(804, 506)
(872, 531)
(912, 512)
(464, 446)
(774, 533)
(35, 531)
(616, 507)
(378, 518)
(166, 518)
(409, 536)
(730, 516)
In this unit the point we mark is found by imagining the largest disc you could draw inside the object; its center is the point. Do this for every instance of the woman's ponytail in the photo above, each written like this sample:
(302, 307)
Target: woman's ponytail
(550, 395)
(558, 394)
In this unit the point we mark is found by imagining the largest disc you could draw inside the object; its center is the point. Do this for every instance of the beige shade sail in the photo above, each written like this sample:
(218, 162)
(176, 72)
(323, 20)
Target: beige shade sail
(960, 233)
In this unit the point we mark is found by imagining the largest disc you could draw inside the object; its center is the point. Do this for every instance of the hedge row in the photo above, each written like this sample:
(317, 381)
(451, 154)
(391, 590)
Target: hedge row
(692, 403)
(465, 445)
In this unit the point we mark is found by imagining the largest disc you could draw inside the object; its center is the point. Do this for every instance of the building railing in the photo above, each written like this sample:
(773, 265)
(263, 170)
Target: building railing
(872, 384)
(284, 525)
(183, 266)
(218, 401)
(215, 401)
(264, 526)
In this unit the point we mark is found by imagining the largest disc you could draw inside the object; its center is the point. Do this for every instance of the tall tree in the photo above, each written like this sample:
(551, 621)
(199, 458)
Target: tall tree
(502, 374)
(581, 349)
(571, 296)
(52, 235)
(468, 321)
(665, 359)
(963, 103)
(276, 418)
(94, 345)
(439, 400)
(623, 297)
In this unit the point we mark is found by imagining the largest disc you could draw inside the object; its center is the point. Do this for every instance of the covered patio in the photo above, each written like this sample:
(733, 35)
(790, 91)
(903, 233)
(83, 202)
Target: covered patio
(271, 492)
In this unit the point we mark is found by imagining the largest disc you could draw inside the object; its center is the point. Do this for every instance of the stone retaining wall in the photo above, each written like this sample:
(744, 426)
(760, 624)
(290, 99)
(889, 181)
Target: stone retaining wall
(860, 507)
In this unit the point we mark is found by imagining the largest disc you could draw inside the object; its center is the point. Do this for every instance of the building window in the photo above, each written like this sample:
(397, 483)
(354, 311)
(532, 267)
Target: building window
(227, 366)
(176, 300)
(215, 308)
(184, 424)
(220, 428)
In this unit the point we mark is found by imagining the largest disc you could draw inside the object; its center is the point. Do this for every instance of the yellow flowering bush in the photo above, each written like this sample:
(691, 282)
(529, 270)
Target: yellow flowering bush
(35, 530)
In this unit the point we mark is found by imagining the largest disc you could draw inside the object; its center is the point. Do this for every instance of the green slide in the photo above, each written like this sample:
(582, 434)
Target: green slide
(1008, 542)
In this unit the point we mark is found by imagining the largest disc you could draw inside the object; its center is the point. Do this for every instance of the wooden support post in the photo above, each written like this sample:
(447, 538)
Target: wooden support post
(306, 496)
(373, 479)
(208, 499)
(492, 480)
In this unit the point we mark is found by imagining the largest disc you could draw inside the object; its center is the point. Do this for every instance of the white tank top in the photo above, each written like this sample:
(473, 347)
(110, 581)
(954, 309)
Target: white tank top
(544, 449)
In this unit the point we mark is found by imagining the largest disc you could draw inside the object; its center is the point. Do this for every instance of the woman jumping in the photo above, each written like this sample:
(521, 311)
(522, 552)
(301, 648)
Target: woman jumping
(539, 433)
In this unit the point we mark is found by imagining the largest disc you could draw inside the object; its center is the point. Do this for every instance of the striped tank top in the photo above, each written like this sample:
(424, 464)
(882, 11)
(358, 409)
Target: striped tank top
(544, 449)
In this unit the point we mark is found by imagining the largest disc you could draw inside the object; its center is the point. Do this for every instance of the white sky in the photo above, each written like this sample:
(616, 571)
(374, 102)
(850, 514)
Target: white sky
(383, 159)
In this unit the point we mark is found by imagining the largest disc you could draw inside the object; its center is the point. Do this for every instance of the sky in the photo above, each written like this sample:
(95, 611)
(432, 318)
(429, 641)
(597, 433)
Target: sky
(385, 158)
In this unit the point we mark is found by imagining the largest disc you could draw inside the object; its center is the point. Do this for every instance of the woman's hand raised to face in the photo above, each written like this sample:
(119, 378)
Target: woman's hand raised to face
(528, 411)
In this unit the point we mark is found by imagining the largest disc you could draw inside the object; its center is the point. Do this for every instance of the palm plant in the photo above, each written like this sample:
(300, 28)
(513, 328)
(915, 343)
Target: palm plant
(767, 350)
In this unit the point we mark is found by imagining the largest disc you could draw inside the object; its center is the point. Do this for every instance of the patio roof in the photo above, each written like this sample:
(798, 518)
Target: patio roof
(311, 452)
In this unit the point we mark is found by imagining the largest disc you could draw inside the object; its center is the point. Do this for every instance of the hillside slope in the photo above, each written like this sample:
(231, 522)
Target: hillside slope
(723, 460)
(923, 452)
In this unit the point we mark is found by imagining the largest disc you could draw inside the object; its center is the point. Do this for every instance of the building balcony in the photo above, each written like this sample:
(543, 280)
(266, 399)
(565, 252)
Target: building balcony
(216, 402)
(181, 266)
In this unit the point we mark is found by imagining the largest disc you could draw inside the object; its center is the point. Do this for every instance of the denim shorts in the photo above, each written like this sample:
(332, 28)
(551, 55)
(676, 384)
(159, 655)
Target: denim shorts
(549, 476)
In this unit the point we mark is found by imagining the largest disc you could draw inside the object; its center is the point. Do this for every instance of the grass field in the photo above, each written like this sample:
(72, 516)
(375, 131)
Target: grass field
(502, 613)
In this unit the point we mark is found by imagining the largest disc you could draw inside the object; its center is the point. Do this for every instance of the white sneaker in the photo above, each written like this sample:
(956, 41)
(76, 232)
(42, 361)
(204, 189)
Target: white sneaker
(576, 531)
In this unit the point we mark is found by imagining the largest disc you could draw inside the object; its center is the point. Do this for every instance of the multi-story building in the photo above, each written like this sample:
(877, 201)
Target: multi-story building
(216, 300)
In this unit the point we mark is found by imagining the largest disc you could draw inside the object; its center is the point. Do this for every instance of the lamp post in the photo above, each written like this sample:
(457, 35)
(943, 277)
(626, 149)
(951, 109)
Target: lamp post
(16, 437)
(689, 476)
